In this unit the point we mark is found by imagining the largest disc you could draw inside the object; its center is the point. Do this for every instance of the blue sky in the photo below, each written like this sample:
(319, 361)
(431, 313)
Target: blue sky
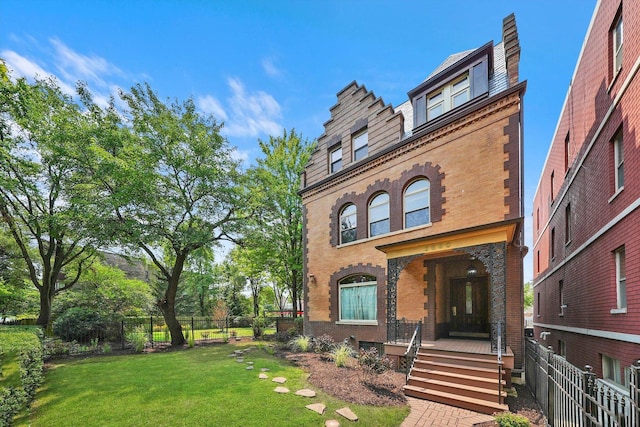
(263, 66)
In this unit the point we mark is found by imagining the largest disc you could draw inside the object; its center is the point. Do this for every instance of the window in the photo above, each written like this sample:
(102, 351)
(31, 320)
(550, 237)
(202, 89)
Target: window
(348, 222)
(360, 145)
(553, 177)
(562, 349)
(611, 370)
(567, 224)
(336, 159)
(358, 299)
(379, 215)
(448, 97)
(561, 297)
(552, 244)
(617, 42)
(538, 261)
(538, 303)
(538, 219)
(621, 278)
(618, 158)
(416, 203)
(566, 152)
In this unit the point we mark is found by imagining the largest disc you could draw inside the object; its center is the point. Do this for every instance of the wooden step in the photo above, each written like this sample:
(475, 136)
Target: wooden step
(480, 361)
(456, 378)
(458, 369)
(473, 404)
(457, 389)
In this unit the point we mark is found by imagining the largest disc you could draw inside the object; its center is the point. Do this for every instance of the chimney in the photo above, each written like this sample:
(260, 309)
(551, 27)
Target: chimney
(511, 48)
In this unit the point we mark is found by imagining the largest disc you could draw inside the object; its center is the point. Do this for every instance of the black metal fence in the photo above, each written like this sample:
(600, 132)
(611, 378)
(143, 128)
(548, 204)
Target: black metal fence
(107, 336)
(401, 330)
(572, 397)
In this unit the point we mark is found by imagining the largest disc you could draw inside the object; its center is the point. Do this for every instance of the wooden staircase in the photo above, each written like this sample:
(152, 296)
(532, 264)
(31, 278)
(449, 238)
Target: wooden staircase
(464, 380)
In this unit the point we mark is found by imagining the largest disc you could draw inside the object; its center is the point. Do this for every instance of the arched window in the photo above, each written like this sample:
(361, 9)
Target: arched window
(348, 222)
(416, 204)
(379, 215)
(358, 299)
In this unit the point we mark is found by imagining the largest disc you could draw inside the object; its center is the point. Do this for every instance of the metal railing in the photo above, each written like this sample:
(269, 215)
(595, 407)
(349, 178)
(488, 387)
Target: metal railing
(412, 350)
(401, 330)
(572, 397)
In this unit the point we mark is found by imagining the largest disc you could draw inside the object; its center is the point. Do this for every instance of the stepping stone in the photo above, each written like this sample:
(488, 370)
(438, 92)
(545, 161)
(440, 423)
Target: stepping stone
(240, 360)
(317, 407)
(264, 369)
(249, 363)
(250, 367)
(332, 423)
(281, 390)
(279, 380)
(347, 413)
(263, 376)
(305, 392)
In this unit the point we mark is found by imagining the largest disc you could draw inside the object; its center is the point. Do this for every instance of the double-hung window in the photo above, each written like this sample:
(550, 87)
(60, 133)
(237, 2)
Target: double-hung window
(617, 39)
(358, 299)
(618, 158)
(336, 159)
(348, 222)
(448, 97)
(416, 203)
(621, 278)
(360, 145)
(379, 215)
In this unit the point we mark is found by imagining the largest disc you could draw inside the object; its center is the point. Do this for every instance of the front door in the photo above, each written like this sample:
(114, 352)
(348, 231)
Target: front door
(469, 307)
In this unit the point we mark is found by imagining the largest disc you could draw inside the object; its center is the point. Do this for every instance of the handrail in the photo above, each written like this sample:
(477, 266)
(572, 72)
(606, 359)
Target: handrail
(499, 362)
(414, 345)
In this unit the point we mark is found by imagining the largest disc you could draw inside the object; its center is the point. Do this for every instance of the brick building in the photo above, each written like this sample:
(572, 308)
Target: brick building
(586, 220)
(415, 212)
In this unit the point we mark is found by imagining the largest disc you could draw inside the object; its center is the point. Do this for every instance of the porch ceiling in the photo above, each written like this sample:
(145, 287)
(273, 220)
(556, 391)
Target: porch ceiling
(445, 244)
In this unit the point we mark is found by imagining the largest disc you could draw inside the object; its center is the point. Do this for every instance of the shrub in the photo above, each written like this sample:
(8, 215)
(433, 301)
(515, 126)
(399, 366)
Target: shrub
(137, 338)
(372, 361)
(106, 348)
(79, 324)
(341, 354)
(324, 344)
(301, 343)
(258, 325)
(508, 419)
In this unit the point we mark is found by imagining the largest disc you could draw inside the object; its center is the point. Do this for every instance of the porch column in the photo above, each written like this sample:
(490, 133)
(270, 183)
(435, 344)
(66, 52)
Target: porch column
(493, 256)
(394, 268)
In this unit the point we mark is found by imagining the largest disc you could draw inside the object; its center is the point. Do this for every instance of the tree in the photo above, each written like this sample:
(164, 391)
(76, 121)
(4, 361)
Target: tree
(40, 128)
(14, 292)
(248, 261)
(106, 291)
(277, 233)
(528, 295)
(169, 183)
(201, 282)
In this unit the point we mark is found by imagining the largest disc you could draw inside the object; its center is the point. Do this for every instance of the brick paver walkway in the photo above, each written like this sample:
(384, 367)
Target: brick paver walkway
(426, 413)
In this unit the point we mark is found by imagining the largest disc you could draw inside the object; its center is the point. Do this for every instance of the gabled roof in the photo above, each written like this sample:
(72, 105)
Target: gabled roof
(452, 59)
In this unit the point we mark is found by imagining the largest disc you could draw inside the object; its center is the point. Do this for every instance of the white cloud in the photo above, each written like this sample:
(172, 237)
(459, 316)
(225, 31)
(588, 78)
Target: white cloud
(210, 105)
(23, 67)
(270, 67)
(74, 66)
(240, 155)
(251, 114)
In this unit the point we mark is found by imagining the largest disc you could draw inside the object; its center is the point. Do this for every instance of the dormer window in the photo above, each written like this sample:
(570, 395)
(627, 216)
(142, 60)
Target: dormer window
(448, 97)
(461, 79)
(360, 143)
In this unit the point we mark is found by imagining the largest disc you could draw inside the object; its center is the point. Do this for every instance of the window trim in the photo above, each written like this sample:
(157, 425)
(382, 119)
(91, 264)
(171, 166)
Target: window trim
(355, 138)
(621, 278)
(568, 224)
(618, 161)
(369, 283)
(388, 213)
(447, 93)
(355, 223)
(405, 195)
(617, 32)
(332, 150)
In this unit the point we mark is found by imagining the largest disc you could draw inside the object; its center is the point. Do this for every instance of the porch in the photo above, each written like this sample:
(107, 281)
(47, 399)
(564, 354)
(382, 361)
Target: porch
(459, 372)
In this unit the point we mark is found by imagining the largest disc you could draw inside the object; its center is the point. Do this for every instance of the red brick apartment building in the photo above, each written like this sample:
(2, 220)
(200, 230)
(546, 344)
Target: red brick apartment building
(586, 216)
(414, 212)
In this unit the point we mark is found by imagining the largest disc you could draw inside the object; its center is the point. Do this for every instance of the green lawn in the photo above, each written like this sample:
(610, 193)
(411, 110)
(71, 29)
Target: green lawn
(194, 387)
(211, 334)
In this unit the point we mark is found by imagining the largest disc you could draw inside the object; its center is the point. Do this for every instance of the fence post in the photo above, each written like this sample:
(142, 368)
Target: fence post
(122, 340)
(151, 331)
(588, 385)
(551, 390)
(193, 330)
(634, 391)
